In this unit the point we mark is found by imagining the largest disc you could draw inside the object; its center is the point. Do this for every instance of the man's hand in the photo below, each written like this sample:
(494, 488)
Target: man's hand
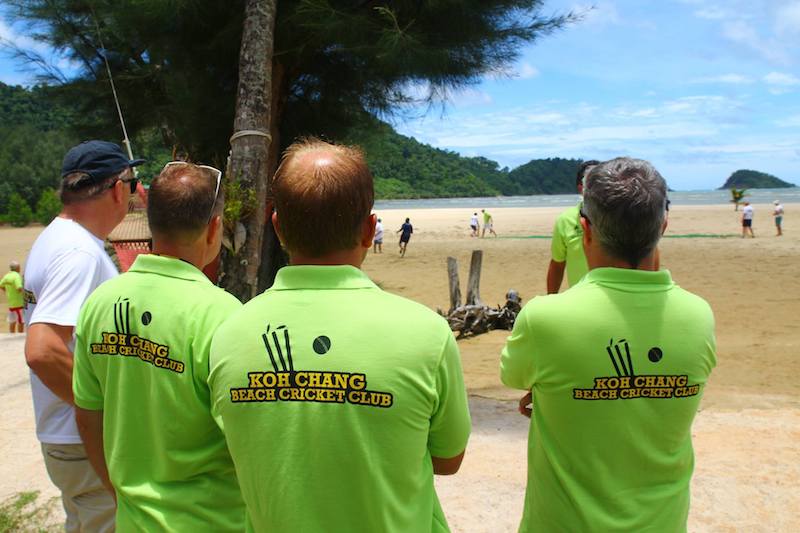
(526, 405)
(555, 275)
(90, 427)
(47, 354)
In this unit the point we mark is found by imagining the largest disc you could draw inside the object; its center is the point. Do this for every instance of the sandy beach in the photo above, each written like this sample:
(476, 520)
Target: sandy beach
(747, 475)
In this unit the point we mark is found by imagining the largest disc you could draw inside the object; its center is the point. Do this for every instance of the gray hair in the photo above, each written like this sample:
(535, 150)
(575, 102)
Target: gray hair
(14, 265)
(625, 201)
(79, 186)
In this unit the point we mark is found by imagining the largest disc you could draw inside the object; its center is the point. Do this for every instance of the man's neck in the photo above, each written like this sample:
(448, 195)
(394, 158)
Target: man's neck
(354, 257)
(91, 217)
(191, 254)
(605, 261)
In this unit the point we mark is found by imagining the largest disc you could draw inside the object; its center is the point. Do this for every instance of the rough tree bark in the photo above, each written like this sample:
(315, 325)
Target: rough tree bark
(249, 160)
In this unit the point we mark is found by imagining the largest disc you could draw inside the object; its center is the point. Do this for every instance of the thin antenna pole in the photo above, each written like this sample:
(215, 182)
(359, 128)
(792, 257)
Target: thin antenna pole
(126, 141)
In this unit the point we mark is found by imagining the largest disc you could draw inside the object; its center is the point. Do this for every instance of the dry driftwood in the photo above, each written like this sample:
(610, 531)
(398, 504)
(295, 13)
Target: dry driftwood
(474, 317)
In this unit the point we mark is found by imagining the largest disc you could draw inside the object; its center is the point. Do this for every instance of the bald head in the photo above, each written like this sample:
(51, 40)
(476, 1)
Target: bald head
(322, 194)
(181, 201)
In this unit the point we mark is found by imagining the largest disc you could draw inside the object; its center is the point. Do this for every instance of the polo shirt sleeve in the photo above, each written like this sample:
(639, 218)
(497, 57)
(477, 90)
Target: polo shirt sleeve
(450, 423)
(70, 281)
(85, 385)
(516, 362)
(558, 245)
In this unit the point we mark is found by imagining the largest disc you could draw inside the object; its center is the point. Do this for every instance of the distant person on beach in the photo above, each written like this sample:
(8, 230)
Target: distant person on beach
(777, 212)
(610, 440)
(747, 220)
(12, 284)
(566, 246)
(488, 223)
(473, 224)
(141, 369)
(407, 229)
(66, 264)
(378, 240)
(336, 418)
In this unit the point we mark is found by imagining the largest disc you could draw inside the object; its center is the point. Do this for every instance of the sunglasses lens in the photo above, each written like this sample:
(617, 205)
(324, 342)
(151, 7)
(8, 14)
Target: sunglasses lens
(134, 183)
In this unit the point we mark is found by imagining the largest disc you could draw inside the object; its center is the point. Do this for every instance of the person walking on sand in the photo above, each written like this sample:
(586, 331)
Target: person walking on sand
(167, 453)
(12, 283)
(777, 212)
(610, 438)
(377, 243)
(473, 224)
(488, 223)
(747, 220)
(313, 379)
(566, 245)
(66, 264)
(407, 229)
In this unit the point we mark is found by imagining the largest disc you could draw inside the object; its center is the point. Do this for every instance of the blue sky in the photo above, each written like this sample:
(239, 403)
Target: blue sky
(698, 87)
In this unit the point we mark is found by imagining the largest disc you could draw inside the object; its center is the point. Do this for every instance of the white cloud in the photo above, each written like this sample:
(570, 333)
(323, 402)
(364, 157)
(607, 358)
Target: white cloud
(734, 79)
(787, 19)
(781, 83)
(527, 71)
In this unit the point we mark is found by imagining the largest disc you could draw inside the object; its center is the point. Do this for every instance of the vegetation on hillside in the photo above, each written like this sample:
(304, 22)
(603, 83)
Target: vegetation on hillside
(753, 179)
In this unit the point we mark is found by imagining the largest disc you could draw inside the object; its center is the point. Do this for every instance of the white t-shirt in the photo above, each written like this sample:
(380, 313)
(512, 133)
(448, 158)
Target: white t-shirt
(778, 210)
(747, 212)
(473, 221)
(378, 231)
(65, 265)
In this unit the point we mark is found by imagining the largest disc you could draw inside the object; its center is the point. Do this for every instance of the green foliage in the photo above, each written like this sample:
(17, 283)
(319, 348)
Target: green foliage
(22, 512)
(546, 176)
(19, 212)
(48, 207)
(753, 179)
(176, 63)
(239, 203)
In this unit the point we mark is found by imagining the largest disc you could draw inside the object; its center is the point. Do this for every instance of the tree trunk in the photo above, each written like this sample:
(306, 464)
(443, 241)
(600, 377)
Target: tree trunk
(474, 281)
(454, 283)
(249, 161)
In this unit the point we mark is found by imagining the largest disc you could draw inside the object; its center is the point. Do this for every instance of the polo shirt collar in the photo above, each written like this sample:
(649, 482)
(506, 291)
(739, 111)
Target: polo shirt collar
(321, 277)
(630, 279)
(167, 266)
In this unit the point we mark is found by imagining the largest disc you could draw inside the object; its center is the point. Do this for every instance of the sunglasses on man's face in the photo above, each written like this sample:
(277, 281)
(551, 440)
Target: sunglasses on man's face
(213, 170)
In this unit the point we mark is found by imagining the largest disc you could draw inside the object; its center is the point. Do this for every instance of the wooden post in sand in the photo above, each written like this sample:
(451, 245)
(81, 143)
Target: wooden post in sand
(474, 282)
(455, 284)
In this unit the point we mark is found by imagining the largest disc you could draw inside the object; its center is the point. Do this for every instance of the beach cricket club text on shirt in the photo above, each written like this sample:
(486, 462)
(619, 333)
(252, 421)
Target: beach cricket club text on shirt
(627, 385)
(285, 384)
(122, 342)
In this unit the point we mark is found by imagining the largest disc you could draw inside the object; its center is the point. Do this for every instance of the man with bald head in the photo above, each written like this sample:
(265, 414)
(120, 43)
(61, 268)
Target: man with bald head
(141, 365)
(339, 401)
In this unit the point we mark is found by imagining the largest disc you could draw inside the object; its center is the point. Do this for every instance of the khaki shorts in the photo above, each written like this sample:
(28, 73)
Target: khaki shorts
(88, 505)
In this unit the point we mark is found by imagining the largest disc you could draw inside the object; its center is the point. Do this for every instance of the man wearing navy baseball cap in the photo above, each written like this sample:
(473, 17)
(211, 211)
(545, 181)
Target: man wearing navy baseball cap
(67, 262)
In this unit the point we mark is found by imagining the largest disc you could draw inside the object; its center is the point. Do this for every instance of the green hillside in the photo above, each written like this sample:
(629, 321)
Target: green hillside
(753, 179)
(35, 133)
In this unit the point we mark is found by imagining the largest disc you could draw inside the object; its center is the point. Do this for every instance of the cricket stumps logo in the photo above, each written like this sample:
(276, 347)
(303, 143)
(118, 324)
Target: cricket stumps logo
(627, 385)
(124, 343)
(286, 384)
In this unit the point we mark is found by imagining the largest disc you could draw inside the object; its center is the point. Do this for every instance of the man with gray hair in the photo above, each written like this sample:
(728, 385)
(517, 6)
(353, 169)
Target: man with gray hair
(610, 445)
(12, 283)
(67, 262)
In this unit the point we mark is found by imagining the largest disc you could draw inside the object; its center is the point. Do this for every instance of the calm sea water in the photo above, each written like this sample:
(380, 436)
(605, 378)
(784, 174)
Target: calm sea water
(756, 196)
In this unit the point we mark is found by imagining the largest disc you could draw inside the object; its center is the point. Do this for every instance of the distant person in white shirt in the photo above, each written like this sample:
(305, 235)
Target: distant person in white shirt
(67, 262)
(377, 242)
(778, 214)
(473, 224)
(747, 220)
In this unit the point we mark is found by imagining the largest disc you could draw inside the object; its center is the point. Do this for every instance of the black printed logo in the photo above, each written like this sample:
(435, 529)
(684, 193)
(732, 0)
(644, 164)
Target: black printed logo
(286, 384)
(122, 315)
(627, 385)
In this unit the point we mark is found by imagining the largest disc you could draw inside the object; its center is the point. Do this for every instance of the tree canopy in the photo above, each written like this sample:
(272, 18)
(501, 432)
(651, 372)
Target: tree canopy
(176, 62)
(753, 179)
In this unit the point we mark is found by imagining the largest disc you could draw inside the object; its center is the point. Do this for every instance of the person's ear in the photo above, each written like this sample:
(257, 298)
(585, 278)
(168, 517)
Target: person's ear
(587, 231)
(276, 224)
(214, 229)
(368, 231)
(664, 225)
(118, 192)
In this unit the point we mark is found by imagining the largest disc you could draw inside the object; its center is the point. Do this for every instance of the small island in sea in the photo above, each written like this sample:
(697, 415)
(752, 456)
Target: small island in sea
(753, 179)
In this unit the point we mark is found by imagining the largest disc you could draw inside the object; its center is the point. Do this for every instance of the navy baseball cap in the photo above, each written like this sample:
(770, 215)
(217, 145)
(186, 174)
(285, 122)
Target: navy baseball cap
(98, 159)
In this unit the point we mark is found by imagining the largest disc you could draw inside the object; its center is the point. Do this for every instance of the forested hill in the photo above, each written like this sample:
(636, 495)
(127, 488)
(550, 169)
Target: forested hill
(752, 179)
(405, 168)
(35, 133)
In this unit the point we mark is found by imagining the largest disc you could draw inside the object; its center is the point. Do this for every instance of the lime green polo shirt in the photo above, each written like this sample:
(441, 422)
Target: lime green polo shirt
(567, 244)
(334, 395)
(12, 283)
(141, 356)
(617, 365)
